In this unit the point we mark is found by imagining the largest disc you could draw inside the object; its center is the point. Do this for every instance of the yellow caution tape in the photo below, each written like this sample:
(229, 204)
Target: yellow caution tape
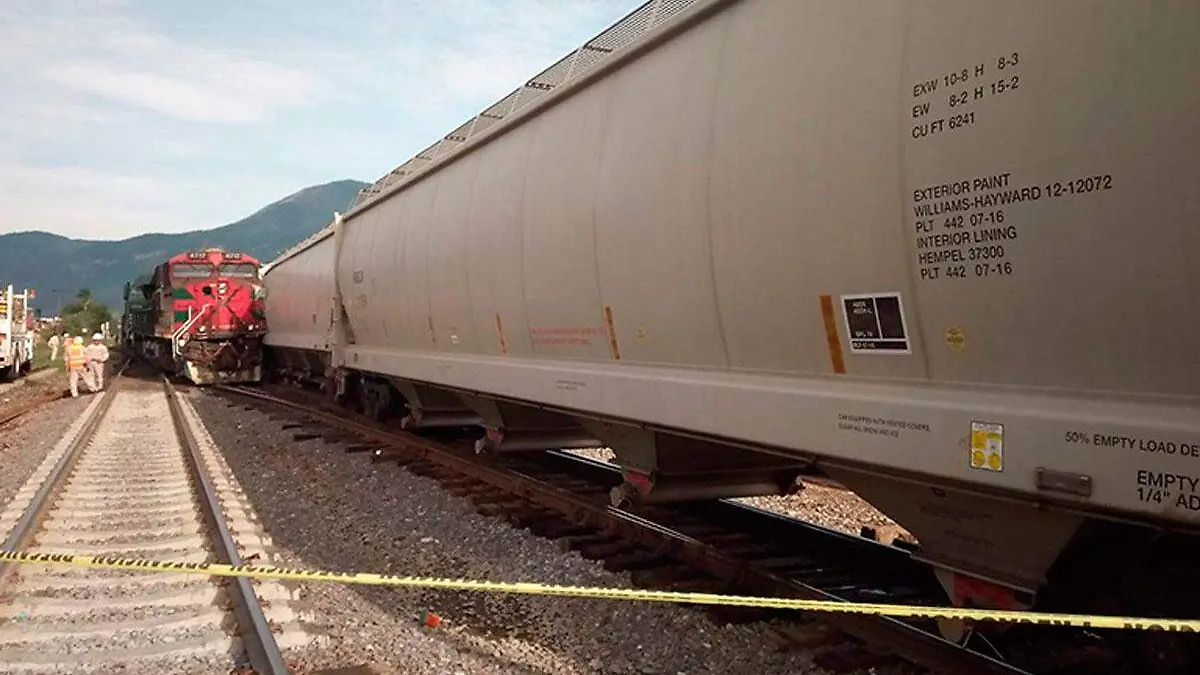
(906, 611)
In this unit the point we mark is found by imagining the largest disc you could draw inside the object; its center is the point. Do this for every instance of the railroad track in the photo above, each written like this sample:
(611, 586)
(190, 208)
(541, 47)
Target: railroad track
(20, 410)
(709, 547)
(129, 480)
(49, 393)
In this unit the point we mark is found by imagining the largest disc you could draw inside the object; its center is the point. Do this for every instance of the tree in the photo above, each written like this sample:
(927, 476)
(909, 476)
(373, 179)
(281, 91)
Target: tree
(85, 316)
(84, 296)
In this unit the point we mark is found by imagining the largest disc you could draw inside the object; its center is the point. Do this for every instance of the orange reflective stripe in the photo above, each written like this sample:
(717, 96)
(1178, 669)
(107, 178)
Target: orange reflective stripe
(76, 357)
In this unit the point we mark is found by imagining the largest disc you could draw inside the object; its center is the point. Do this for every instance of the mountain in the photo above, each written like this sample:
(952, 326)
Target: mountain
(56, 267)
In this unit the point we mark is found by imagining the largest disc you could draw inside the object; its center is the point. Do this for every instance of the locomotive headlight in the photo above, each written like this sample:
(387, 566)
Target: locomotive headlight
(222, 288)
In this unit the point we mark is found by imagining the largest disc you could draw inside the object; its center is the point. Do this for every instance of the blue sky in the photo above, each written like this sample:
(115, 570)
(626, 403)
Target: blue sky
(123, 117)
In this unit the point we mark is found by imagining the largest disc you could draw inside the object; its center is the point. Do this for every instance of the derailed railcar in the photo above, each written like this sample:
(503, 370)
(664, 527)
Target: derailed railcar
(299, 342)
(199, 315)
(937, 250)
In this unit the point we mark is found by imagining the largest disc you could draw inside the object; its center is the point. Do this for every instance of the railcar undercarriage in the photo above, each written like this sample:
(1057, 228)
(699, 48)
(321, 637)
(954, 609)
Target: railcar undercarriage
(987, 550)
(236, 360)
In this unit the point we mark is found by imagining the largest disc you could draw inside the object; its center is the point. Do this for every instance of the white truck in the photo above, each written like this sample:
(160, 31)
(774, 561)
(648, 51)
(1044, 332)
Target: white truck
(16, 337)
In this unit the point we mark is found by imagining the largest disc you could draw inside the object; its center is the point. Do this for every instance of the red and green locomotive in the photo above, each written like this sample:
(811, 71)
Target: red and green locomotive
(199, 315)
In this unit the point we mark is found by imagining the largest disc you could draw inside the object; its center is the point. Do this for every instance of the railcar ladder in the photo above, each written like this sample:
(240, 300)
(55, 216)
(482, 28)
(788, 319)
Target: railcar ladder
(180, 337)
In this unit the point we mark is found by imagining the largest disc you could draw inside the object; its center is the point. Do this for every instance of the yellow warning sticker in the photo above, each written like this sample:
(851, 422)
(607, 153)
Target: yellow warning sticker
(530, 588)
(956, 340)
(987, 446)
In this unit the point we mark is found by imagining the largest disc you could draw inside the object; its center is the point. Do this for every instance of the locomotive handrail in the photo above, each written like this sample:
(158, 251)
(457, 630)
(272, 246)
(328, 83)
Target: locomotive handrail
(176, 347)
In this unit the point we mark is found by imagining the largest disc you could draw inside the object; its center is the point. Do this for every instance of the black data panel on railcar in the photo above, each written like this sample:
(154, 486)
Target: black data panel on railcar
(875, 323)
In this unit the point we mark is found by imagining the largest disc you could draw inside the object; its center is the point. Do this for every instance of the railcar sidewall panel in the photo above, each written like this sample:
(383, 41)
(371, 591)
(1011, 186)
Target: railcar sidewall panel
(404, 329)
(496, 247)
(382, 235)
(321, 289)
(449, 272)
(562, 294)
(352, 258)
(653, 229)
(299, 299)
(416, 225)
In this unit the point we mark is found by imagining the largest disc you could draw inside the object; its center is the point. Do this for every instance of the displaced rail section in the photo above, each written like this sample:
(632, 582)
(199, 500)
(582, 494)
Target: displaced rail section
(10, 413)
(39, 387)
(702, 547)
(129, 481)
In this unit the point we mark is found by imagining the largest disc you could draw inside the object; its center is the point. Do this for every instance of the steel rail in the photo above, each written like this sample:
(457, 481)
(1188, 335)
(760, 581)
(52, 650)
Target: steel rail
(257, 638)
(26, 408)
(913, 644)
(25, 528)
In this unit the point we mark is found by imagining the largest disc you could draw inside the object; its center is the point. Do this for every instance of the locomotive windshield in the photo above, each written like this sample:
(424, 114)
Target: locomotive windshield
(239, 270)
(191, 270)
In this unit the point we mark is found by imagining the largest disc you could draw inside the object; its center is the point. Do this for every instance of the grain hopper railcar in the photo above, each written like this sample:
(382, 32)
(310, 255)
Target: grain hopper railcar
(942, 251)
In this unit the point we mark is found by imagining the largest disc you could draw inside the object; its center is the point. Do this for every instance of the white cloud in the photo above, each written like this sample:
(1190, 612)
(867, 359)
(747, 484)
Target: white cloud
(89, 220)
(97, 203)
(204, 91)
(121, 117)
(103, 117)
(465, 55)
(103, 204)
(119, 60)
(504, 45)
(48, 181)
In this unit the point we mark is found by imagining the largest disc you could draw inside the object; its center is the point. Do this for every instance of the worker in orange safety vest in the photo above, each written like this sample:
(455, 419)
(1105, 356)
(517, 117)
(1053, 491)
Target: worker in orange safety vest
(77, 366)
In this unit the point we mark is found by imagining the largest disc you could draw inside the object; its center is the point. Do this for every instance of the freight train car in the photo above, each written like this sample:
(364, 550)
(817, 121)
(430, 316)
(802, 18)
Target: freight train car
(943, 251)
(199, 315)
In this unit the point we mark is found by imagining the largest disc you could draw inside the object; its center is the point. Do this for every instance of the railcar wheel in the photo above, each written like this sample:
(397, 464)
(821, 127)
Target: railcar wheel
(375, 399)
(383, 396)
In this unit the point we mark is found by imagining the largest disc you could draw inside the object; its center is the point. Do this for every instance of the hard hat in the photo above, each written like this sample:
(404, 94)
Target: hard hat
(78, 339)
(97, 336)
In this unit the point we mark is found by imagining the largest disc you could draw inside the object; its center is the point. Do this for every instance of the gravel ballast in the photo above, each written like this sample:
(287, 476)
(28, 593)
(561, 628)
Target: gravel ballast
(324, 508)
(43, 377)
(18, 392)
(833, 507)
(25, 441)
